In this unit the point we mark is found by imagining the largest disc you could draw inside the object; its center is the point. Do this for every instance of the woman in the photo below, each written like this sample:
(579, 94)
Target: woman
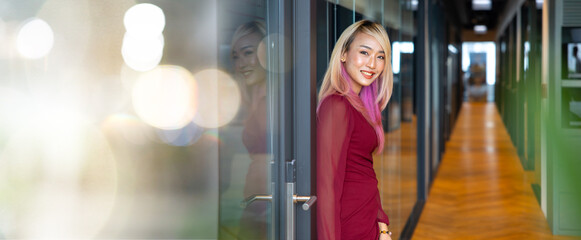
(251, 76)
(356, 87)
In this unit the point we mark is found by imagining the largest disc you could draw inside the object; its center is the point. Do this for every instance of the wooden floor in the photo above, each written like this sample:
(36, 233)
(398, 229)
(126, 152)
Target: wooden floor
(480, 190)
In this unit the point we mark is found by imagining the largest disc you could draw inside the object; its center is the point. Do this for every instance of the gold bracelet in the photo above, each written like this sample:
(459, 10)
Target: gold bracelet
(385, 232)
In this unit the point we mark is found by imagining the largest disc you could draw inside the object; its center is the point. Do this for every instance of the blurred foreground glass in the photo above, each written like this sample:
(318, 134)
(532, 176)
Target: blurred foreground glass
(116, 133)
(246, 153)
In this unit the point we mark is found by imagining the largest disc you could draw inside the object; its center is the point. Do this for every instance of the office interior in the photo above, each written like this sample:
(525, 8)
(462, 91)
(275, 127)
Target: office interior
(130, 119)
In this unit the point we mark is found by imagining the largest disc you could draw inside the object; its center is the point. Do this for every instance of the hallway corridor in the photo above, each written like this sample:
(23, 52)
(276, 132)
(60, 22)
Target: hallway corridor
(480, 190)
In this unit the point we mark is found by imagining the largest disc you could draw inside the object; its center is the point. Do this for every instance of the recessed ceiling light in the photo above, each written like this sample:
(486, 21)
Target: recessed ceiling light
(480, 29)
(481, 5)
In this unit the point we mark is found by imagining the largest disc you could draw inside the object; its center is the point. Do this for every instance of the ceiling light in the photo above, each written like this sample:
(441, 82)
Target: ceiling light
(414, 5)
(480, 29)
(539, 4)
(480, 5)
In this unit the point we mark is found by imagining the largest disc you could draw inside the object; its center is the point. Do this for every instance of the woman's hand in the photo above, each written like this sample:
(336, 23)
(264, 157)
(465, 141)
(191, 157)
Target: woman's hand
(383, 236)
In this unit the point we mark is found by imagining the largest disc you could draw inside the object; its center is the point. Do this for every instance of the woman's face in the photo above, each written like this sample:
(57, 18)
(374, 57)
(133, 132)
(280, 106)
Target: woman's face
(245, 56)
(364, 61)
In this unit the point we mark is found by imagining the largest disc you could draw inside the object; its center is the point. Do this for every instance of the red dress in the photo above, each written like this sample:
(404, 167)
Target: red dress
(253, 223)
(348, 204)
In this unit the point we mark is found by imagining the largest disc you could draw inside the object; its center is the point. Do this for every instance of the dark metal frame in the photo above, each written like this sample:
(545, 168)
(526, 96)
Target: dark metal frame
(422, 85)
(305, 102)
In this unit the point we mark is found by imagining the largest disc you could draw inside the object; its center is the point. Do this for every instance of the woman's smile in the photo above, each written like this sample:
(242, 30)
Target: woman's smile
(247, 73)
(367, 74)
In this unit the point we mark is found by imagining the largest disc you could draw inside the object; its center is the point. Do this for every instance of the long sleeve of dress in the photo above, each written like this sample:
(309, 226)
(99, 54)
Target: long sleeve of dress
(333, 130)
(381, 216)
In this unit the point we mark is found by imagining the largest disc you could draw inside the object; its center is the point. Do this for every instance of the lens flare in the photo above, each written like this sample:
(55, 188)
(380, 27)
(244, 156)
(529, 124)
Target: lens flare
(129, 128)
(35, 39)
(213, 136)
(220, 96)
(164, 97)
(128, 77)
(3, 47)
(58, 185)
(142, 53)
(144, 19)
(143, 43)
(14, 107)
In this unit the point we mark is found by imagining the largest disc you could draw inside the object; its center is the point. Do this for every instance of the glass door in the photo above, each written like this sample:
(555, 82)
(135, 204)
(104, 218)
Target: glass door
(259, 156)
(249, 203)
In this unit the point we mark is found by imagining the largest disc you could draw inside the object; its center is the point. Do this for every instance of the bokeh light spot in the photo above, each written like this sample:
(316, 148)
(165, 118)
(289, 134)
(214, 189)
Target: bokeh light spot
(164, 97)
(35, 39)
(144, 19)
(219, 98)
(142, 53)
(143, 42)
(272, 43)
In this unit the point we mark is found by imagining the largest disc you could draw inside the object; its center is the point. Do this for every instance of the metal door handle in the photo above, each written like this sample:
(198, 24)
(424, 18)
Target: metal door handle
(256, 197)
(309, 201)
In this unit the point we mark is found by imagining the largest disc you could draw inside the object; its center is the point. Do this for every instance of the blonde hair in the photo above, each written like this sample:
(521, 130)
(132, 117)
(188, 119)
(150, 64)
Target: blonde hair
(333, 82)
(249, 28)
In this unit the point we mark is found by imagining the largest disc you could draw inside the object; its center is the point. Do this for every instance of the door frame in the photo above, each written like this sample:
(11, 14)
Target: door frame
(295, 21)
(305, 100)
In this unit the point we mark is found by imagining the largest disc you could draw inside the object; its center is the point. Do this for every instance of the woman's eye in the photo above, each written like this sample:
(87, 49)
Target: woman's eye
(381, 57)
(247, 53)
(364, 53)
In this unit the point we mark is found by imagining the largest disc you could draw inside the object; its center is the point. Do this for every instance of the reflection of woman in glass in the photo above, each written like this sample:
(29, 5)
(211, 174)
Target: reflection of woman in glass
(252, 78)
(356, 87)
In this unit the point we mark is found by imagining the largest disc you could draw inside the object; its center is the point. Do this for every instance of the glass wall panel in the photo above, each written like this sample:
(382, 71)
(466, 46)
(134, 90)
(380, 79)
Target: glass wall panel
(397, 167)
(245, 150)
(535, 57)
(521, 103)
(524, 94)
